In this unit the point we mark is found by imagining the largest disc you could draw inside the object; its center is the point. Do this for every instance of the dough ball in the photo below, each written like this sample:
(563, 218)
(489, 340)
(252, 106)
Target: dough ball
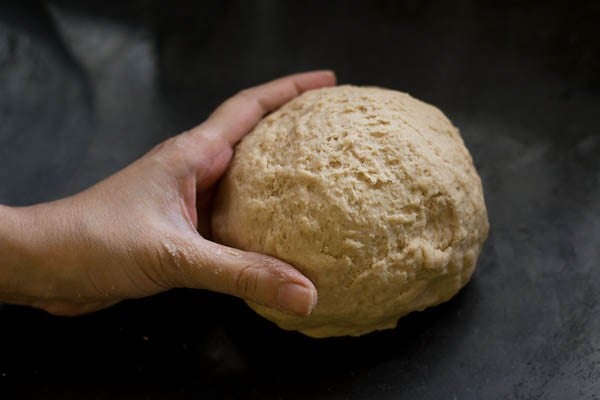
(368, 192)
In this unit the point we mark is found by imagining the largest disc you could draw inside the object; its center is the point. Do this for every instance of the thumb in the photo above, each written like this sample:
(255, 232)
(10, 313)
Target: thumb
(251, 276)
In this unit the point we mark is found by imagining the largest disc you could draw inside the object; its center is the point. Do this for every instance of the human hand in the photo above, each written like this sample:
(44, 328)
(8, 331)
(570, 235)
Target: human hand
(145, 229)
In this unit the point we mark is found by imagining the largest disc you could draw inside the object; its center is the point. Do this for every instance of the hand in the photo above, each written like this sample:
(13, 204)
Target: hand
(145, 229)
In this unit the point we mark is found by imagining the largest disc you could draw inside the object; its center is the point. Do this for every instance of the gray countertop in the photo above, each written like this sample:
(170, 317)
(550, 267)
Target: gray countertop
(87, 87)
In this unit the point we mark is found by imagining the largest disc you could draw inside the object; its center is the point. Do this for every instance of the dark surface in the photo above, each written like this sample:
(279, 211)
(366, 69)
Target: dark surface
(86, 87)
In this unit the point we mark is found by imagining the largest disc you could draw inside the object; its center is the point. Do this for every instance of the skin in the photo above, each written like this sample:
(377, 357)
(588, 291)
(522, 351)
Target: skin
(145, 229)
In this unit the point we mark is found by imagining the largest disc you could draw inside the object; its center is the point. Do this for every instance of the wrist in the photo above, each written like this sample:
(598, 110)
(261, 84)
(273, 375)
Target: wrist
(13, 255)
(30, 250)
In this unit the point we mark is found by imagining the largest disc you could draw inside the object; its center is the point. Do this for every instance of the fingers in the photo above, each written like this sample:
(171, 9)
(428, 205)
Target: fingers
(239, 114)
(250, 276)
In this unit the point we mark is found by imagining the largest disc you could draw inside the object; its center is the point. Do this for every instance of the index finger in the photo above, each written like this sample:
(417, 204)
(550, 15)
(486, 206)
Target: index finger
(240, 113)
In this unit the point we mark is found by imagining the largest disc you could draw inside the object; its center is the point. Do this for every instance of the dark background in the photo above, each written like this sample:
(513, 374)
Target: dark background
(88, 86)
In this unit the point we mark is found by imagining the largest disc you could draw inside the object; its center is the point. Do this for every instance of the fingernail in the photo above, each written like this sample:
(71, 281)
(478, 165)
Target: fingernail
(296, 299)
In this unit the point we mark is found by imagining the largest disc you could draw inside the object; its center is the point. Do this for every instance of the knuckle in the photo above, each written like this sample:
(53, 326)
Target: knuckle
(247, 97)
(247, 279)
(176, 153)
(177, 146)
(245, 93)
(164, 145)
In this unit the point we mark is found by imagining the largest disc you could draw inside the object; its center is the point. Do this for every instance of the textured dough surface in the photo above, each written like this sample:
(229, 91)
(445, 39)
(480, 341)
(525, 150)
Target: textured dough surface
(368, 192)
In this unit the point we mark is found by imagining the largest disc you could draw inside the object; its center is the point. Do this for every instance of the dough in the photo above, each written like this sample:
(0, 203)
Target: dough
(369, 192)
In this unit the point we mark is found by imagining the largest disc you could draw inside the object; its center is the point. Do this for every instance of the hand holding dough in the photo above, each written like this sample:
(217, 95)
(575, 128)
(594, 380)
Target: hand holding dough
(368, 192)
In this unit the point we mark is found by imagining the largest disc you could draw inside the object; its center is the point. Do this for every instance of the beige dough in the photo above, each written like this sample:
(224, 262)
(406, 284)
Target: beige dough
(368, 192)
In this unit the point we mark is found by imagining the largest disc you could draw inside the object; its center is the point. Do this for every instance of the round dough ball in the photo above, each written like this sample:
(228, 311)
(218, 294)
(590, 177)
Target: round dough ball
(368, 192)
